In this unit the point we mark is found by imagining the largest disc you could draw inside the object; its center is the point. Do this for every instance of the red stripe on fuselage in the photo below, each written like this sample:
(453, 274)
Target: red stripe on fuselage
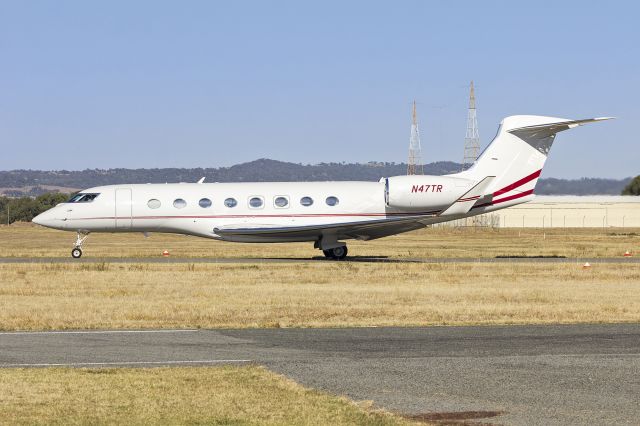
(240, 216)
(518, 183)
(509, 198)
(511, 187)
(513, 197)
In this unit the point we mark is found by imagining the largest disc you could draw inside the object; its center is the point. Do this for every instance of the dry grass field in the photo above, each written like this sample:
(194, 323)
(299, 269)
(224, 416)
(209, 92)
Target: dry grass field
(318, 294)
(27, 240)
(36, 296)
(104, 295)
(204, 395)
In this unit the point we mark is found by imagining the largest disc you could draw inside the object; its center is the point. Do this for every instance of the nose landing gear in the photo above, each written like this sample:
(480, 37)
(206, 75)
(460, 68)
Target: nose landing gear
(76, 253)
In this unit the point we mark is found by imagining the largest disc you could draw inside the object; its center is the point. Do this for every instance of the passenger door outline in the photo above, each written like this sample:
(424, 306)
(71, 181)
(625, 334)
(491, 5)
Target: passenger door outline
(123, 208)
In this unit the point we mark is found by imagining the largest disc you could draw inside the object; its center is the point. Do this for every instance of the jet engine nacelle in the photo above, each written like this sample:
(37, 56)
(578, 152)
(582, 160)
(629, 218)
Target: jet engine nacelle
(424, 192)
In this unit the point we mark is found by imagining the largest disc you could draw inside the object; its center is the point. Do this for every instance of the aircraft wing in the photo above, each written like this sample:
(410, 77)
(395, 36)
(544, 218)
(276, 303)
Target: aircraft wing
(361, 230)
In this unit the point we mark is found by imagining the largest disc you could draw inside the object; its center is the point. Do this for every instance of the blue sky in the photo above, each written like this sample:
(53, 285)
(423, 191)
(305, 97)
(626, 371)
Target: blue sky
(208, 84)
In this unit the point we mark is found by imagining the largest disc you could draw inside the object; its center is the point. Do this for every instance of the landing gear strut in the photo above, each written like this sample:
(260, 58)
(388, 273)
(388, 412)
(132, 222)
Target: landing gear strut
(76, 253)
(336, 253)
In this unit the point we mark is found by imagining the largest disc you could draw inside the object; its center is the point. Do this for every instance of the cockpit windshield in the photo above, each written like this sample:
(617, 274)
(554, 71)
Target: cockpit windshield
(82, 198)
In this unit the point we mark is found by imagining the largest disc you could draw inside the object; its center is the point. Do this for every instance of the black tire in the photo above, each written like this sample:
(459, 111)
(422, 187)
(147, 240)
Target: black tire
(338, 253)
(76, 253)
(327, 253)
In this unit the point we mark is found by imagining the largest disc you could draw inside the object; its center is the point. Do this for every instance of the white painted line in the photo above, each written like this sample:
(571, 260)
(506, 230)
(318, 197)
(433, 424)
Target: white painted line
(19, 333)
(80, 364)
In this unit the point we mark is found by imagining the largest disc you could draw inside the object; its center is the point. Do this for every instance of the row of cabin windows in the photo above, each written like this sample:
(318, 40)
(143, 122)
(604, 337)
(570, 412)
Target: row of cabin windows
(280, 202)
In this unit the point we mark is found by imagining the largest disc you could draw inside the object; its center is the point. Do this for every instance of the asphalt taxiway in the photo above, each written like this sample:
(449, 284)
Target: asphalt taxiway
(365, 259)
(556, 374)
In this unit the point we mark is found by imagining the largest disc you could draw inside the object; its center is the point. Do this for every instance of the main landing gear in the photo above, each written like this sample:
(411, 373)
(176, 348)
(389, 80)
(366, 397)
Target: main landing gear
(76, 253)
(336, 253)
(331, 247)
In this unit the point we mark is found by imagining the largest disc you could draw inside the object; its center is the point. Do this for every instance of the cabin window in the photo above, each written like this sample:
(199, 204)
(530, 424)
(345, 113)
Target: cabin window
(82, 198)
(230, 202)
(332, 201)
(281, 202)
(306, 201)
(256, 202)
(153, 203)
(179, 203)
(205, 203)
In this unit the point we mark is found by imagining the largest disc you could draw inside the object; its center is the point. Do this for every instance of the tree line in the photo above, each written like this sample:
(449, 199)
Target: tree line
(26, 208)
(633, 188)
(262, 170)
(17, 183)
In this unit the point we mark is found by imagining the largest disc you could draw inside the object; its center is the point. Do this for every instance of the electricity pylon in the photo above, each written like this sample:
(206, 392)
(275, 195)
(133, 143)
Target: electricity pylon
(414, 165)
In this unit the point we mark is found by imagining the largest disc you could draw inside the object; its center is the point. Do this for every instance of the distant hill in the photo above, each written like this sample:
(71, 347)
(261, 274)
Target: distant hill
(584, 186)
(17, 183)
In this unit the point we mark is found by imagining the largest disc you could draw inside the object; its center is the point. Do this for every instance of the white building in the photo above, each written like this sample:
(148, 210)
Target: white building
(565, 211)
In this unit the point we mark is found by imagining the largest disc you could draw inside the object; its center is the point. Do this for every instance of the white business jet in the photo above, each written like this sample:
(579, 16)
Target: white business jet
(325, 213)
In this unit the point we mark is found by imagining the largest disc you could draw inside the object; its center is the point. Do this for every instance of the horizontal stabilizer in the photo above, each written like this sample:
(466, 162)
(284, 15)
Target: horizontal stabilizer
(463, 204)
(552, 128)
(540, 136)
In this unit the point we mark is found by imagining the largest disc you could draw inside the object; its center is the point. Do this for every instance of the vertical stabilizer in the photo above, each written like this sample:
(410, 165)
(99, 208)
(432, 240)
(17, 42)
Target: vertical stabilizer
(518, 153)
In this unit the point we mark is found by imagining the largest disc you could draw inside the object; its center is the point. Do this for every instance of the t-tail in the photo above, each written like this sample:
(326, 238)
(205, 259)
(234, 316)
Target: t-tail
(516, 157)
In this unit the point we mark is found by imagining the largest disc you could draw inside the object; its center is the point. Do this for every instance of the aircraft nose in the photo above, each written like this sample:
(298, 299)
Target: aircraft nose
(38, 220)
(42, 219)
(47, 219)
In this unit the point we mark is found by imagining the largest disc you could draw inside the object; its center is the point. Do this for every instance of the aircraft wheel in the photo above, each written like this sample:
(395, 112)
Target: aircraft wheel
(327, 253)
(76, 253)
(338, 253)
